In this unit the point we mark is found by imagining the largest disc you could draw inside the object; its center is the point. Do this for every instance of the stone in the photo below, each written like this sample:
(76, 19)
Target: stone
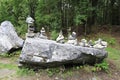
(98, 41)
(73, 42)
(72, 39)
(30, 20)
(43, 34)
(83, 43)
(104, 43)
(8, 38)
(60, 38)
(99, 44)
(90, 43)
(47, 53)
(30, 35)
(74, 35)
(31, 29)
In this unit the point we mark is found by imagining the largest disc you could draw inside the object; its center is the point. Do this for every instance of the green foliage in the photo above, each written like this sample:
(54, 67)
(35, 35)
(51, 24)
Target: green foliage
(54, 35)
(25, 72)
(68, 73)
(52, 71)
(5, 55)
(12, 13)
(48, 15)
(21, 30)
(112, 41)
(60, 14)
(8, 66)
(101, 66)
(113, 53)
(78, 19)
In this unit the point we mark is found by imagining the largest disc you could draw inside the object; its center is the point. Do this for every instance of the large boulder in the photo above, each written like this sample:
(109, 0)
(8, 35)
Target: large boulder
(8, 38)
(48, 53)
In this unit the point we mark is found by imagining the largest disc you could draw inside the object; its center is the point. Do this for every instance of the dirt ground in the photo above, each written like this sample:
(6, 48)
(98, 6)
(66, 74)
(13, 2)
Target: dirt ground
(113, 74)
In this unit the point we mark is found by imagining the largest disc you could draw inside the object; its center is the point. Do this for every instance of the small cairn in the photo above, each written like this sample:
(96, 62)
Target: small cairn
(31, 29)
(60, 38)
(99, 44)
(83, 43)
(42, 34)
(90, 44)
(72, 39)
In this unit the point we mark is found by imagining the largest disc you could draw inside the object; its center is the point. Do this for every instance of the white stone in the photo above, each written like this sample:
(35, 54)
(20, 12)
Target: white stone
(104, 43)
(73, 42)
(99, 44)
(83, 43)
(9, 38)
(30, 35)
(29, 20)
(42, 34)
(60, 38)
(72, 39)
(90, 43)
(37, 59)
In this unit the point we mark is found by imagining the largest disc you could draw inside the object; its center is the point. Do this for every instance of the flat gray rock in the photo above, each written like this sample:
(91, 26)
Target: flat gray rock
(9, 38)
(48, 53)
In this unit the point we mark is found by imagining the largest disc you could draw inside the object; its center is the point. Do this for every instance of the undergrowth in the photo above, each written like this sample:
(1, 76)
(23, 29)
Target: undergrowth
(54, 35)
(25, 72)
(103, 66)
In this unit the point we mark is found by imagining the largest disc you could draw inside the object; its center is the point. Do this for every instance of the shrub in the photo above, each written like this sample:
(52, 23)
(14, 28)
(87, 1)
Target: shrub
(54, 35)
(52, 71)
(25, 72)
(21, 30)
(101, 66)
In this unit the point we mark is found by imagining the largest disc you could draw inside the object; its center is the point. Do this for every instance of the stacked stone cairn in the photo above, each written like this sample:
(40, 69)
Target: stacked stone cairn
(83, 43)
(31, 29)
(99, 44)
(72, 39)
(60, 38)
(42, 34)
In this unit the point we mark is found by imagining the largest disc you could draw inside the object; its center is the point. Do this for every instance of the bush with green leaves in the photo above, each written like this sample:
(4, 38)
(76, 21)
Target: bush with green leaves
(54, 35)
(52, 71)
(25, 72)
(101, 66)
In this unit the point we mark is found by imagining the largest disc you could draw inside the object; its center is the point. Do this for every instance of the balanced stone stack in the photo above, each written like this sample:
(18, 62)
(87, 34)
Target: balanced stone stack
(72, 39)
(31, 28)
(99, 44)
(42, 34)
(60, 38)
